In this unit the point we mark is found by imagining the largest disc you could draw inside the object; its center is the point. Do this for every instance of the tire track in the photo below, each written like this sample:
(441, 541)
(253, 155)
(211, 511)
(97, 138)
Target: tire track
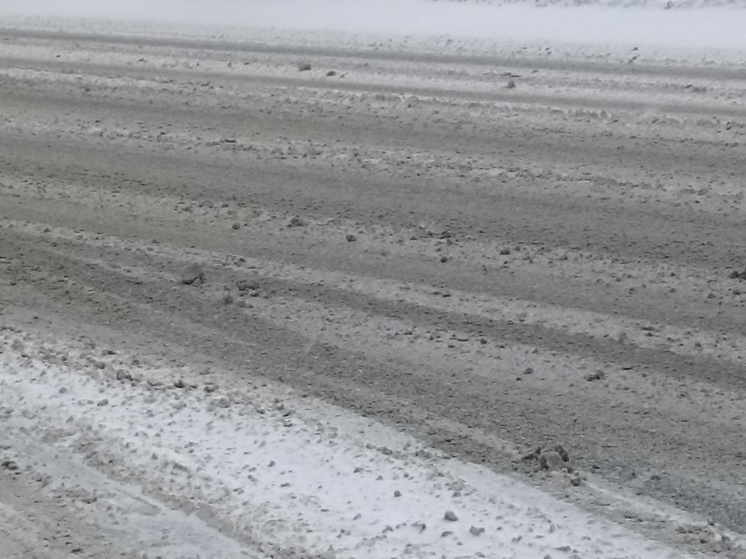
(385, 237)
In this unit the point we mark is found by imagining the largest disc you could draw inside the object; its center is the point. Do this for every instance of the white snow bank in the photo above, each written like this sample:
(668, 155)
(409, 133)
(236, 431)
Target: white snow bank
(589, 24)
(274, 470)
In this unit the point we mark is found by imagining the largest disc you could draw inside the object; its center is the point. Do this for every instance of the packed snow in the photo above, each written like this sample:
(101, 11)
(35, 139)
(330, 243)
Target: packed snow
(224, 469)
(268, 468)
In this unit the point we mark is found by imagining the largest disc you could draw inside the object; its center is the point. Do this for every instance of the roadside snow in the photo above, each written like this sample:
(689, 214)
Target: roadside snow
(601, 22)
(273, 471)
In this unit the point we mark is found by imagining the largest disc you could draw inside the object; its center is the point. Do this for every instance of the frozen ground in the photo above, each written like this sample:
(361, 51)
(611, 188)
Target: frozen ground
(297, 282)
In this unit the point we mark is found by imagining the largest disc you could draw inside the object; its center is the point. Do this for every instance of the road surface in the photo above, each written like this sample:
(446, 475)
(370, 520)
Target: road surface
(489, 251)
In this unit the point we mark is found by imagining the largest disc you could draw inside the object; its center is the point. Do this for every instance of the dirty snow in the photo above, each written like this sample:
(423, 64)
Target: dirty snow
(166, 463)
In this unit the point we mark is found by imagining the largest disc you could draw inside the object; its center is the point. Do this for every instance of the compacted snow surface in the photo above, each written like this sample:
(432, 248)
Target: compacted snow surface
(274, 471)
(107, 451)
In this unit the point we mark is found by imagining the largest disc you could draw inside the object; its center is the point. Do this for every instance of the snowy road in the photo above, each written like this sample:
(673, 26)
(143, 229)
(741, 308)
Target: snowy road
(282, 476)
(293, 294)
